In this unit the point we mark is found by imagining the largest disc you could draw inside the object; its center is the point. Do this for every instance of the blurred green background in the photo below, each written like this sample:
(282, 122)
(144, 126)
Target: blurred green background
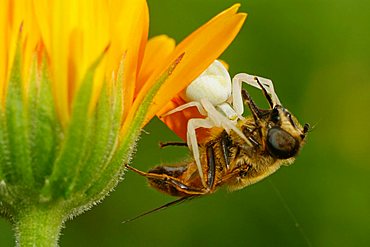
(318, 54)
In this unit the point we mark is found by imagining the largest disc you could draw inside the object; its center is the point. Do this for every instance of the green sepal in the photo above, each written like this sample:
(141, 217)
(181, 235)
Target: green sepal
(75, 143)
(44, 128)
(4, 147)
(127, 145)
(105, 140)
(18, 172)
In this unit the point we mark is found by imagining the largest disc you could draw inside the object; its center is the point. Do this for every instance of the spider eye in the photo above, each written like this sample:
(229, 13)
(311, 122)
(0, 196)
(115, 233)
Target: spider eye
(281, 144)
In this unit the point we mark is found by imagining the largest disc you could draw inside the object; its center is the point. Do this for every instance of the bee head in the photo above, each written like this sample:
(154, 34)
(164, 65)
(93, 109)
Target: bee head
(280, 130)
(284, 133)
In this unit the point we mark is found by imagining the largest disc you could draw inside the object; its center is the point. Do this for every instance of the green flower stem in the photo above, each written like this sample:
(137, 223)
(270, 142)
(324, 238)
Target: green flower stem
(38, 225)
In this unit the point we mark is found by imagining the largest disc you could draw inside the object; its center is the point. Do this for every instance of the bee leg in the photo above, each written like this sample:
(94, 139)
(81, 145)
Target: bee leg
(211, 167)
(225, 145)
(265, 93)
(144, 174)
(166, 144)
(256, 112)
(160, 176)
(169, 184)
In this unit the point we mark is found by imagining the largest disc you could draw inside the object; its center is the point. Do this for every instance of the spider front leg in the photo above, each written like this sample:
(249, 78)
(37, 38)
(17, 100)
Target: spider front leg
(192, 141)
(214, 119)
(251, 80)
(219, 120)
(193, 124)
(187, 105)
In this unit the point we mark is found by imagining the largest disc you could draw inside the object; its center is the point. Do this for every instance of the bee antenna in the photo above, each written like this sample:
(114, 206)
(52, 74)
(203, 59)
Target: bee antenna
(173, 203)
(256, 112)
(268, 97)
(306, 128)
(312, 127)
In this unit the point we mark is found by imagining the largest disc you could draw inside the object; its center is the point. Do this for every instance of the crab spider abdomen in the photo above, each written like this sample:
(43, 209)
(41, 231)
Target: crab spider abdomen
(214, 84)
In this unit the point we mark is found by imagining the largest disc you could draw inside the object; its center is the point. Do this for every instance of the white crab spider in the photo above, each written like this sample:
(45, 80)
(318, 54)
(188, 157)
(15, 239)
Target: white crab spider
(220, 100)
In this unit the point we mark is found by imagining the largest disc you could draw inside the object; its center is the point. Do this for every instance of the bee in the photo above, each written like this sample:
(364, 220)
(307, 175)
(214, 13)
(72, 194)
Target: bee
(271, 138)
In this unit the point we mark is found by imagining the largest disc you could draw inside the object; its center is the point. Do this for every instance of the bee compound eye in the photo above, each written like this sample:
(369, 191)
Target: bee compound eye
(281, 144)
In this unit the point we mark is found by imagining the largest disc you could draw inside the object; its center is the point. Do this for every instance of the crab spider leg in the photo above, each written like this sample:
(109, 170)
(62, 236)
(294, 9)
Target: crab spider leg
(265, 93)
(237, 99)
(220, 120)
(187, 105)
(192, 141)
(214, 119)
(251, 80)
(270, 89)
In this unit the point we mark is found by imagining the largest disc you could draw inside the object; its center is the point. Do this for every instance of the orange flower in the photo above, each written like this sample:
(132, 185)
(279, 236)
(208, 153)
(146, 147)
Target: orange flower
(78, 81)
(86, 32)
(200, 49)
(73, 34)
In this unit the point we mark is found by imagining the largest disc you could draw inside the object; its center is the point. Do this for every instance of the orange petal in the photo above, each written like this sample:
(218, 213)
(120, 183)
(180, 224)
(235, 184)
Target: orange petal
(129, 20)
(4, 43)
(11, 17)
(144, 38)
(32, 40)
(201, 48)
(132, 28)
(157, 51)
(74, 41)
(178, 121)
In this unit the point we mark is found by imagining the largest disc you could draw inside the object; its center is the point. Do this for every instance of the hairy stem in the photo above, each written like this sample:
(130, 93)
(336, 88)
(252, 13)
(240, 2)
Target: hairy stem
(38, 226)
